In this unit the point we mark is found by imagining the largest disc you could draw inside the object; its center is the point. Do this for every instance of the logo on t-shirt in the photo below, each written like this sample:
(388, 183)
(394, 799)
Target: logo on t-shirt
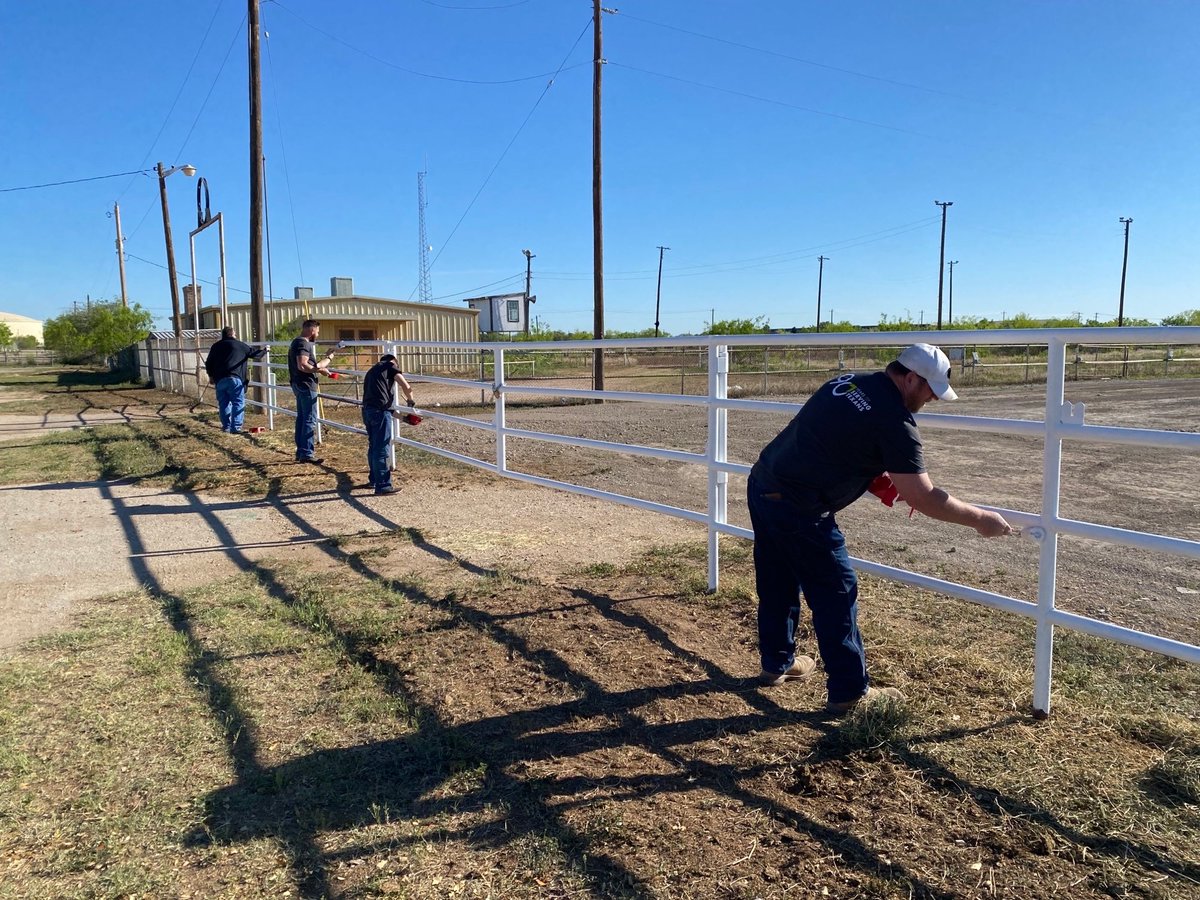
(844, 386)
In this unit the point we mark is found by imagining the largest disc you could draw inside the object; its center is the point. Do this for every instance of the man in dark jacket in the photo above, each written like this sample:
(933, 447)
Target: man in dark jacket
(378, 406)
(226, 366)
(854, 429)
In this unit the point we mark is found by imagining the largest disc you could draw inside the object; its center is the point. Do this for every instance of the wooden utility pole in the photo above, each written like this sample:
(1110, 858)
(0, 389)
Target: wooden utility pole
(820, 278)
(120, 253)
(942, 258)
(174, 279)
(658, 293)
(1124, 267)
(258, 311)
(597, 203)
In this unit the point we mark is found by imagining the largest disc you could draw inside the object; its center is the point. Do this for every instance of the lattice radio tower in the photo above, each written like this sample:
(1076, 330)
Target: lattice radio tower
(426, 290)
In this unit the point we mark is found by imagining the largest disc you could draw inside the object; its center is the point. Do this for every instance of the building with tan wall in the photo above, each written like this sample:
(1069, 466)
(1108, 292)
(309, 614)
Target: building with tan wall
(352, 317)
(23, 326)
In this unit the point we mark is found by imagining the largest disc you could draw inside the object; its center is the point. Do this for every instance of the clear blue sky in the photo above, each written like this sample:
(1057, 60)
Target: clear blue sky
(750, 137)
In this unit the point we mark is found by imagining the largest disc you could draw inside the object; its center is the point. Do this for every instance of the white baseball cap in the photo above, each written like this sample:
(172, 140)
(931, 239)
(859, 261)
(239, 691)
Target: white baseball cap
(931, 364)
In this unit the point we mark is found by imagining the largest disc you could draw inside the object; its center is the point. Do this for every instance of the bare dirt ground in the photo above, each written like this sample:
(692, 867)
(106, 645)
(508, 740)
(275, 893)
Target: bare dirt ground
(519, 525)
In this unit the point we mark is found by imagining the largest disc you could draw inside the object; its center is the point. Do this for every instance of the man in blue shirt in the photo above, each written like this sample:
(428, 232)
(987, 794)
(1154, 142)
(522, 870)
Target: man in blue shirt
(226, 367)
(303, 368)
(852, 430)
(378, 406)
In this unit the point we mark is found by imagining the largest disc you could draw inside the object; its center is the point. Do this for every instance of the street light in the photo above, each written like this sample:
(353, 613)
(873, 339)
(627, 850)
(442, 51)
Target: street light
(189, 171)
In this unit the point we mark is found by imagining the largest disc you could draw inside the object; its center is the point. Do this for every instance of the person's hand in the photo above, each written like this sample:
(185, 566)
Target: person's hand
(412, 403)
(993, 525)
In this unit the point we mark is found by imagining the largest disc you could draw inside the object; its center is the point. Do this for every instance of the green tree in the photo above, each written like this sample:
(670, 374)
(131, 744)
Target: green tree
(758, 325)
(27, 342)
(1187, 317)
(6, 335)
(98, 331)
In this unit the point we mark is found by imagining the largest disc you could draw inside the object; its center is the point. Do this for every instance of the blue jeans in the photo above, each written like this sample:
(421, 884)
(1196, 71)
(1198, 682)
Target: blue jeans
(306, 421)
(231, 403)
(378, 423)
(794, 553)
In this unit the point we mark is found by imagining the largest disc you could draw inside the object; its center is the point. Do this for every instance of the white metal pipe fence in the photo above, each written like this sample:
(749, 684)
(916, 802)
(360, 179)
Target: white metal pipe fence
(1062, 421)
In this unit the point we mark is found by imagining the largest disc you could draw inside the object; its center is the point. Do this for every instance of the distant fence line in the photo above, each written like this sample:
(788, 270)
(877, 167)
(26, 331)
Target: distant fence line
(37, 357)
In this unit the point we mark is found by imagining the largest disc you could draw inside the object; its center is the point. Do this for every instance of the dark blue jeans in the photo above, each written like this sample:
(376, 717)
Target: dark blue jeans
(794, 553)
(231, 403)
(378, 423)
(306, 421)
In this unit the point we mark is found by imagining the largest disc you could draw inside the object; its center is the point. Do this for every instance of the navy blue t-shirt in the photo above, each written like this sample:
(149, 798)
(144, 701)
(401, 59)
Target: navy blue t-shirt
(852, 429)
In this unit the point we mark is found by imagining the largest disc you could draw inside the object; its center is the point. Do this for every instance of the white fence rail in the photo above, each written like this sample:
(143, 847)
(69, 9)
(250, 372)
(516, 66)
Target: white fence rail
(1062, 421)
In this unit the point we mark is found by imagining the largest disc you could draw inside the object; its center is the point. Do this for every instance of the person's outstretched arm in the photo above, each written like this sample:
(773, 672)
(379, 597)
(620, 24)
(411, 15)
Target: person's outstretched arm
(919, 493)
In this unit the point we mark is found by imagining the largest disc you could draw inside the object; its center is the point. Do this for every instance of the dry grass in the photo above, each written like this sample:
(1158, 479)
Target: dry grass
(369, 733)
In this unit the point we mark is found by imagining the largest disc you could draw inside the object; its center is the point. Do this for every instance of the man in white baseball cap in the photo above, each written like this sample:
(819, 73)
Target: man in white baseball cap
(853, 433)
(931, 364)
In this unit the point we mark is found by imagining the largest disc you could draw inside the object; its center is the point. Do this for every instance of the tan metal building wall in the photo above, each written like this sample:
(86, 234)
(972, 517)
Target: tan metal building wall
(370, 319)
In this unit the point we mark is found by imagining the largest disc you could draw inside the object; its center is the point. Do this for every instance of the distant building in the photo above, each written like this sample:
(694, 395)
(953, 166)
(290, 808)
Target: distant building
(346, 316)
(22, 326)
(502, 313)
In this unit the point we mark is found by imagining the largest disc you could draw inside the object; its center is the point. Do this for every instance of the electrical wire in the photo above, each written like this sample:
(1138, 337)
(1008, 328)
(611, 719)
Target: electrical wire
(507, 147)
(783, 103)
(798, 59)
(178, 94)
(33, 187)
(405, 69)
(509, 279)
(287, 178)
(475, 8)
(753, 262)
(216, 78)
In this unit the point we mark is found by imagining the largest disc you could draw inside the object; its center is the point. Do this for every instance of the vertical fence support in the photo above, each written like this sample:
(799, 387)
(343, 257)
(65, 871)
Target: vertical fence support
(498, 390)
(1056, 359)
(718, 482)
(272, 397)
(393, 422)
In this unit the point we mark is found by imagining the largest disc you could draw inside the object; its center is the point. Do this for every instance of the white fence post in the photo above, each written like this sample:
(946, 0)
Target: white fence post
(1056, 359)
(272, 397)
(393, 422)
(498, 390)
(718, 481)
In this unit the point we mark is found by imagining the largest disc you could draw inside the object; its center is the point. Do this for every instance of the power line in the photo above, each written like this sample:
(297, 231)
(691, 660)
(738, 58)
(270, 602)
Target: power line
(287, 179)
(405, 69)
(216, 78)
(178, 94)
(508, 146)
(475, 9)
(756, 262)
(801, 60)
(33, 187)
(784, 103)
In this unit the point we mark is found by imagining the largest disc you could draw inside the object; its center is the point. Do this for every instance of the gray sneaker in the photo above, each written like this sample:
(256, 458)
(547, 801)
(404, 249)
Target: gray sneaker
(802, 667)
(872, 695)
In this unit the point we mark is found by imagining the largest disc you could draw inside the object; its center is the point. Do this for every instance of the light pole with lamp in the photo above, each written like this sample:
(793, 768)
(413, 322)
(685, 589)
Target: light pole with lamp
(162, 193)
